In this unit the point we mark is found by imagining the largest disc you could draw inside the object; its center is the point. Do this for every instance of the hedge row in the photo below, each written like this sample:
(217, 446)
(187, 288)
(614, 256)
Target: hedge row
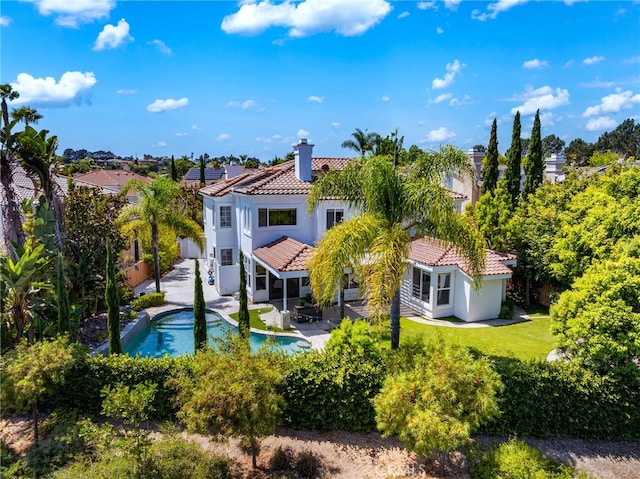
(324, 390)
(82, 386)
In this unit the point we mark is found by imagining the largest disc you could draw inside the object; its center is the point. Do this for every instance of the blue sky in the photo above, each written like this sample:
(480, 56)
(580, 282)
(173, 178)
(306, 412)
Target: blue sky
(251, 77)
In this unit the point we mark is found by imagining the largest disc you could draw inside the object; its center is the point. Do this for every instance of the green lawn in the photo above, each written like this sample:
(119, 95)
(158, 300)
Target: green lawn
(255, 321)
(528, 340)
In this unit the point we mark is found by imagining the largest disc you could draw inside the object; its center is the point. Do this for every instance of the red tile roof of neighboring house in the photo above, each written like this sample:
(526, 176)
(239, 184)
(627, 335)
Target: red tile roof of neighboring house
(434, 253)
(111, 179)
(275, 180)
(285, 254)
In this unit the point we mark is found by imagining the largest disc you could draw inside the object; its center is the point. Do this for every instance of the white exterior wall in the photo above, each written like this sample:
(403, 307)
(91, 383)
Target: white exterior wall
(482, 304)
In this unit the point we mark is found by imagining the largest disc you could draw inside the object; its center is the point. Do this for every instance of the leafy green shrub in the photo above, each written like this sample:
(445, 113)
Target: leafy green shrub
(83, 383)
(333, 388)
(506, 310)
(560, 399)
(147, 301)
(517, 460)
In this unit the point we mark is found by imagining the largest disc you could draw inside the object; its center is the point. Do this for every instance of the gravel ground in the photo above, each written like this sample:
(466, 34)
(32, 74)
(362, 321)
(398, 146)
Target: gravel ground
(360, 456)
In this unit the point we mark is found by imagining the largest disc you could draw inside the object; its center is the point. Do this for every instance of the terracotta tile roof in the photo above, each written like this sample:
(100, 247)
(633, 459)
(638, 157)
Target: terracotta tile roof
(111, 179)
(285, 254)
(433, 252)
(275, 180)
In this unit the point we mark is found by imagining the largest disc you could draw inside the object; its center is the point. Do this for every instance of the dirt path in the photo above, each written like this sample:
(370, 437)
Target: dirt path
(346, 455)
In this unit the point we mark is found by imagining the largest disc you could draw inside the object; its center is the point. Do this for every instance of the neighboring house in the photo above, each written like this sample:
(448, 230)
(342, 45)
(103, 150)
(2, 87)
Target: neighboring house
(211, 175)
(112, 181)
(264, 214)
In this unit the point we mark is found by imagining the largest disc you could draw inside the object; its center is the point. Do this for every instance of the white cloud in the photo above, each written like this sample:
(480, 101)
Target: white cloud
(493, 9)
(167, 105)
(302, 133)
(452, 4)
(441, 134)
(597, 83)
(404, 14)
(126, 92)
(635, 59)
(113, 36)
(443, 97)
(593, 60)
(543, 98)
(72, 87)
(613, 103)
(568, 64)
(600, 123)
(426, 5)
(196, 127)
(223, 136)
(161, 46)
(316, 99)
(69, 13)
(465, 100)
(546, 119)
(535, 63)
(385, 98)
(336, 125)
(4, 21)
(439, 31)
(453, 69)
(160, 144)
(346, 17)
(488, 121)
(244, 105)
(182, 133)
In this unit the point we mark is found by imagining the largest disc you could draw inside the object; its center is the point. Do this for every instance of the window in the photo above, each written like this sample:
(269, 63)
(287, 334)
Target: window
(349, 281)
(247, 270)
(444, 288)
(277, 217)
(334, 217)
(261, 277)
(225, 217)
(421, 285)
(306, 281)
(213, 217)
(246, 223)
(226, 257)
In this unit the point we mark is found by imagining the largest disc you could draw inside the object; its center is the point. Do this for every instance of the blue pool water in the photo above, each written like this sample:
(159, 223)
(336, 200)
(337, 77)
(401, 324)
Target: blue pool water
(172, 333)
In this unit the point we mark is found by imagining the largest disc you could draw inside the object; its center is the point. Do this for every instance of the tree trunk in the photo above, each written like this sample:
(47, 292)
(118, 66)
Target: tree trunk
(58, 213)
(341, 303)
(254, 462)
(12, 230)
(34, 409)
(156, 258)
(395, 320)
(527, 291)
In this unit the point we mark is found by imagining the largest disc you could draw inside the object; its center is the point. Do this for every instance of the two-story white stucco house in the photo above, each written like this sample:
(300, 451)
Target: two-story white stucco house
(264, 214)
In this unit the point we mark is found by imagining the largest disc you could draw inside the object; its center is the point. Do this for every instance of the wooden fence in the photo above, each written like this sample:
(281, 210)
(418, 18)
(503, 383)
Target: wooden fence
(137, 273)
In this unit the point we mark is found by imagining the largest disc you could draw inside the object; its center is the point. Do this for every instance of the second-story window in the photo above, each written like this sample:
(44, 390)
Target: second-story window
(277, 217)
(334, 216)
(226, 257)
(225, 217)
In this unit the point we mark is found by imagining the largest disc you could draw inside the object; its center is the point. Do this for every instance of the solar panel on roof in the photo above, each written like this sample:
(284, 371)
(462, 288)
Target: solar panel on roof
(209, 174)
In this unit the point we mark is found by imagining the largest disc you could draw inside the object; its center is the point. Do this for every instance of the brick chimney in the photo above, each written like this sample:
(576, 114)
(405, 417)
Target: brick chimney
(303, 151)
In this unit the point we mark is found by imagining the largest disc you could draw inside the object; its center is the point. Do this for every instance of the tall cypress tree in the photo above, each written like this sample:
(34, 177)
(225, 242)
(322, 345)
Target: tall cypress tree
(113, 304)
(174, 172)
(62, 298)
(202, 180)
(534, 169)
(514, 157)
(244, 323)
(490, 165)
(199, 315)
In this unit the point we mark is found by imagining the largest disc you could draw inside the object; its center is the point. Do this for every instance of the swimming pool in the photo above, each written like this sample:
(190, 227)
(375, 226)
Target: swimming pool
(172, 333)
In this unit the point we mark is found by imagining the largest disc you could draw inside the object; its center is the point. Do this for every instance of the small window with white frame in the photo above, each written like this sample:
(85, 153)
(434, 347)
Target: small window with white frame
(334, 216)
(421, 285)
(226, 257)
(261, 277)
(225, 216)
(444, 289)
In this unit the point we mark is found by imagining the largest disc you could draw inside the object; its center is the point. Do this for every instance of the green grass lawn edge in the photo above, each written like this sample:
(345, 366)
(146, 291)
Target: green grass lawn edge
(255, 321)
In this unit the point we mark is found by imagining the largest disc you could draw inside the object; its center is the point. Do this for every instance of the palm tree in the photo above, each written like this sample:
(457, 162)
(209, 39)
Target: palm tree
(392, 208)
(155, 208)
(26, 114)
(362, 141)
(37, 154)
(12, 231)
